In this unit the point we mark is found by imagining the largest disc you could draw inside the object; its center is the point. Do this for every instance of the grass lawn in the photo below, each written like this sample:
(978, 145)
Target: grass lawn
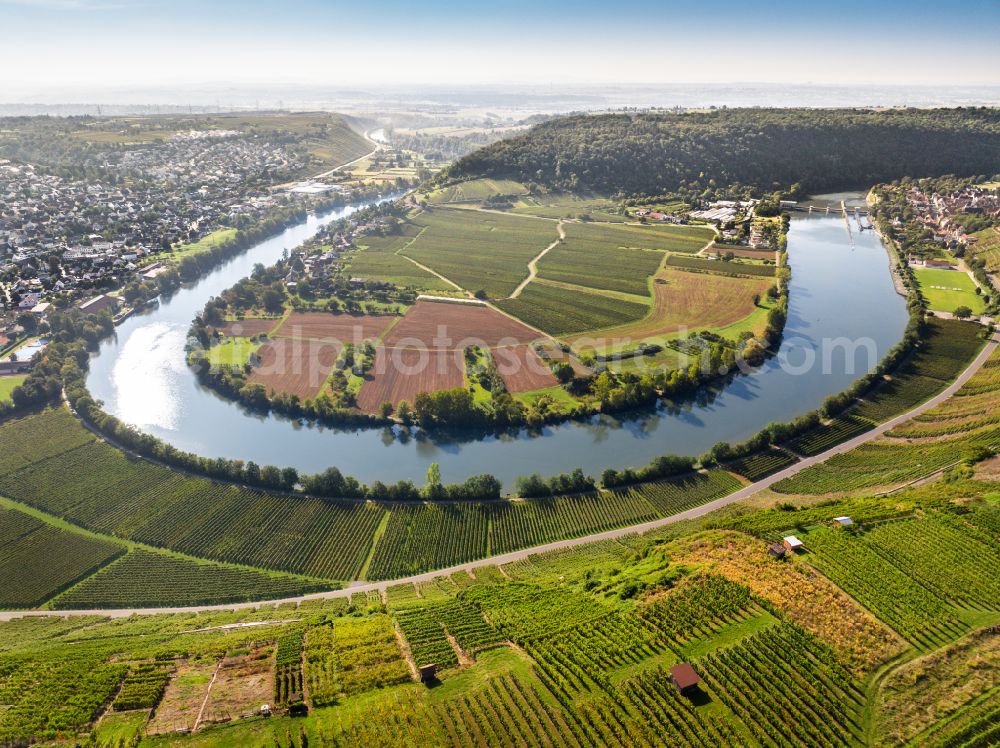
(232, 352)
(727, 635)
(204, 244)
(561, 399)
(121, 728)
(7, 385)
(947, 290)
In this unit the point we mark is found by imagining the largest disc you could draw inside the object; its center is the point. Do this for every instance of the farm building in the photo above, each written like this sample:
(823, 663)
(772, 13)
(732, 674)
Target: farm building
(776, 550)
(842, 521)
(98, 304)
(684, 677)
(428, 673)
(792, 543)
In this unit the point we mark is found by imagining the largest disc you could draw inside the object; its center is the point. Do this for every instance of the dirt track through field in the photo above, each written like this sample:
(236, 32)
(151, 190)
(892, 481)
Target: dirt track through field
(506, 558)
(533, 265)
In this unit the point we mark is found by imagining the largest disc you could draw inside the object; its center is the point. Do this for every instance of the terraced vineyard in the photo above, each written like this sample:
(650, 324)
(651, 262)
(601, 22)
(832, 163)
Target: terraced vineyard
(889, 461)
(288, 667)
(38, 561)
(759, 465)
(828, 435)
(753, 680)
(143, 687)
(422, 536)
(943, 558)
(352, 656)
(142, 579)
(860, 567)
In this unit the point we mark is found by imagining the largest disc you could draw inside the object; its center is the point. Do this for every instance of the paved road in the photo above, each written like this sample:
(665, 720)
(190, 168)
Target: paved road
(699, 511)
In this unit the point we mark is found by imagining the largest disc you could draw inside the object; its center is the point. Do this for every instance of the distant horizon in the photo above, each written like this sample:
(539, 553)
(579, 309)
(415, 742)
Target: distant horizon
(150, 43)
(504, 100)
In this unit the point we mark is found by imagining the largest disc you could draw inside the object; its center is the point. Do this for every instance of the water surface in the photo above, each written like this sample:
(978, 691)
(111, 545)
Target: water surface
(839, 290)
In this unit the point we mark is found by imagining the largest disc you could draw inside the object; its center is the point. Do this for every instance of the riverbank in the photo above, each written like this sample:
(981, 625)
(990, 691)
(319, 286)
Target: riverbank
(141, 377)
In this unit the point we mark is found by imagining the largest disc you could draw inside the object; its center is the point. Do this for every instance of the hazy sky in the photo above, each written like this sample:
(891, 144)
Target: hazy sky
(115, 42)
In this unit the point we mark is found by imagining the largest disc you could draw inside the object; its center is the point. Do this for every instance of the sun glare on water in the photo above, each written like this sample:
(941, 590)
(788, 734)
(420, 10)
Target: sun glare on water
(146, 377)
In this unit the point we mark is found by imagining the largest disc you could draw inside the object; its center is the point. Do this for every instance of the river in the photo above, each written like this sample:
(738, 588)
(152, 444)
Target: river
(841, 290)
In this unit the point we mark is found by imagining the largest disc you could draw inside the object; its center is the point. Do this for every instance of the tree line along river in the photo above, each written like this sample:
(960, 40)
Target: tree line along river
(843, 316)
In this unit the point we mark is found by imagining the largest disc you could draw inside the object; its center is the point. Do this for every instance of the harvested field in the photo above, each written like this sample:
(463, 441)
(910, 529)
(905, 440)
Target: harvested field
(522, 369)
(181, 702)
(294, 366)
(403, 373)
(250, 327)
(440, 325)
(345, 328)
(243, 683)
(694, 300)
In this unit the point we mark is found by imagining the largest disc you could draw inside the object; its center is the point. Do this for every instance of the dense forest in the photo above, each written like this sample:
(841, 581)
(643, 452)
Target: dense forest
(652, 153)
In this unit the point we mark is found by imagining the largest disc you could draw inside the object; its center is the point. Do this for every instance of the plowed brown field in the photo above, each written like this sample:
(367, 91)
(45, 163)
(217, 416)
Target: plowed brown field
(296, 367)
(522, 369)
(442, 325)
(345, 328)
(403, 373)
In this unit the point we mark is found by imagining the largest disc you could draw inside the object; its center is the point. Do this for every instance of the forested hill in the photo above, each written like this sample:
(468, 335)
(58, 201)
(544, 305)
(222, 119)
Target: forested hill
(654, 152)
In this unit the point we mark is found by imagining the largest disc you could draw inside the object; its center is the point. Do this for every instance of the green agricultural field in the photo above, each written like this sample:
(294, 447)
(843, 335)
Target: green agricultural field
(7, 385)
(477, 250)
(559, 311)
(38, 560)
(207, 242)
(572, 646)
(143, 579)
(132, 499)
(475, 191)
(946, 290)
(232, 352)
(570, 206)
(723, 267)
(602, 257)
(379, 258)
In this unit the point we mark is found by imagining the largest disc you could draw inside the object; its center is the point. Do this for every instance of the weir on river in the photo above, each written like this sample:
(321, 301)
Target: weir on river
(843, 315)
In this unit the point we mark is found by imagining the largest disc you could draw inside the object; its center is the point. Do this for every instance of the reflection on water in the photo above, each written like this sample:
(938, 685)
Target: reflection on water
(146, 377)
(837, 290)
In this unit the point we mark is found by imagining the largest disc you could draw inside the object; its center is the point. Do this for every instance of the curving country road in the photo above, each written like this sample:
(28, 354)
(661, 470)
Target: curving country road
(505, 558)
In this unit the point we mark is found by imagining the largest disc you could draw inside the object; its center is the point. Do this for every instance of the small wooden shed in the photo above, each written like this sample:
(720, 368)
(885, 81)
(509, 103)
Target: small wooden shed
(842, 521)
(776, 550)
(792, 543)
(428, 673)
(684, 677)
